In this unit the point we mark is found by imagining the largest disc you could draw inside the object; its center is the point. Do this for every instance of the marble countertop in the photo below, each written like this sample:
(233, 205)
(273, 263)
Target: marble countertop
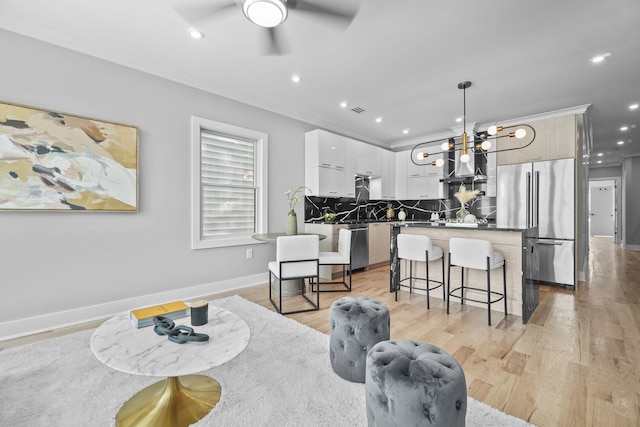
(121, 346)
(488, 227)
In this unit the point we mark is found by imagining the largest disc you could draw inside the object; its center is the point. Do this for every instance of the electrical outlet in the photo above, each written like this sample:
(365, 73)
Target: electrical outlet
(249, 253)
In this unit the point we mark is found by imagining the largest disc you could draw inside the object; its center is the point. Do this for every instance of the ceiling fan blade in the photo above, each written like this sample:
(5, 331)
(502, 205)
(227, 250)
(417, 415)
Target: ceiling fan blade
(275, 43)
(199, 11)
(345, 15)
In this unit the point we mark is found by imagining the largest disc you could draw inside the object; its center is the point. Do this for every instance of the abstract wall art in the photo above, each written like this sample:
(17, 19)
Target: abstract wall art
(52, 161)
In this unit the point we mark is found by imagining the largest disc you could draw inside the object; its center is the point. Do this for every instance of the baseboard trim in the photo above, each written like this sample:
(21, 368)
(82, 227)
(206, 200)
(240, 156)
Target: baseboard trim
(632, 247)
(62, 319)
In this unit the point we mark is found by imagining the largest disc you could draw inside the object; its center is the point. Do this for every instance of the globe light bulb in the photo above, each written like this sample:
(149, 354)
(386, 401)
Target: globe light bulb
(521, 133)
(464, 158)
(445, 146)
(494, 130)
(420, 156)
(439, 163)
(486, 144)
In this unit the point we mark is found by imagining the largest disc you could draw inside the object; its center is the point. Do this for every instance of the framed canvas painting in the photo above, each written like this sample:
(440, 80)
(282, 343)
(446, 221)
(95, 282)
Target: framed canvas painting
(52, 161)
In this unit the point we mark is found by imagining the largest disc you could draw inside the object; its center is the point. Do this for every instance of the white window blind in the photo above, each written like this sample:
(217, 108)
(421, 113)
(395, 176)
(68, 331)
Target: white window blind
(229, 182)
(228, 192)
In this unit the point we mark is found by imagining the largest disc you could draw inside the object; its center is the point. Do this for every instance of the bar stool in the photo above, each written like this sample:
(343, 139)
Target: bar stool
(478, 255)
(413, 247)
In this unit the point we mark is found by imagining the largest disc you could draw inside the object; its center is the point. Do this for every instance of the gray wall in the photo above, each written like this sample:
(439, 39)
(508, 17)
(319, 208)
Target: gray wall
(64, 261)
(631, 203)
(605, 172)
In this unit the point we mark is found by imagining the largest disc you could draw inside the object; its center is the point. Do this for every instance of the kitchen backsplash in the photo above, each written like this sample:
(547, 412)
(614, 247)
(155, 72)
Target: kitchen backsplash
(349, 210)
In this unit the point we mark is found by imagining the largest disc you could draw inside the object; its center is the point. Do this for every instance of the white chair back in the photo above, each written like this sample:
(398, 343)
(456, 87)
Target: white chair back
(470, 253)
(298, 247)
(413, 246)
(344, 243)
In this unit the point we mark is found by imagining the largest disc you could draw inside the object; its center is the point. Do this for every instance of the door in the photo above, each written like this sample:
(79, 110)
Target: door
(554, 195)
(601, 208)
(514, 196)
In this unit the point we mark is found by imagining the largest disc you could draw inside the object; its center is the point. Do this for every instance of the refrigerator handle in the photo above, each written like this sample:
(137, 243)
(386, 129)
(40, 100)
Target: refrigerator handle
(537, 200)
(528, 207)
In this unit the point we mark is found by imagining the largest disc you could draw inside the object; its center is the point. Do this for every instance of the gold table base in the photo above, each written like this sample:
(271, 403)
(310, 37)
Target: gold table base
(174, 402)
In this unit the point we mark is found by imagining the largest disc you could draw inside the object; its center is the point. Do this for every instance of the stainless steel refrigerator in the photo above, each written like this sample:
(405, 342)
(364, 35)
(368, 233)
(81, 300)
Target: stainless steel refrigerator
(541, 194)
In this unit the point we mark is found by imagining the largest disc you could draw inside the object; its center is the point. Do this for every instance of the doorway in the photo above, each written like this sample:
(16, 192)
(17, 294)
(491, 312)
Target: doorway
(602, 208)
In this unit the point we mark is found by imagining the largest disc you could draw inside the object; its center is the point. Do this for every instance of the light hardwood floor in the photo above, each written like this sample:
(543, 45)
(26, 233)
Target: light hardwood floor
(576, 363)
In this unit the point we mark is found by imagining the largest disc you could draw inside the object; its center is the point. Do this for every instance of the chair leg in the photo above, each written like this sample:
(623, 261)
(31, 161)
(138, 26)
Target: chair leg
(350, 274)
(504, 285)
(442, 280)
(410, 276)
(488, 292)
(427, 277)
(399, 277)
(462, 286)
(448, 283)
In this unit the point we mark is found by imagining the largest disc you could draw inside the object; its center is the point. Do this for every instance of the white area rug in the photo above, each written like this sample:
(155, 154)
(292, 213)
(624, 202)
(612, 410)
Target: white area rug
(283, 378)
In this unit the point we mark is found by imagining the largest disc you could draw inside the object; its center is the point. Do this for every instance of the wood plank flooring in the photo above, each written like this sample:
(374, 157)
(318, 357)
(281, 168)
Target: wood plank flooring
(576, 363)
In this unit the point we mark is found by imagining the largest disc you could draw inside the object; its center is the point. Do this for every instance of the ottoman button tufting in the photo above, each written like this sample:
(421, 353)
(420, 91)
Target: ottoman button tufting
(358, 324)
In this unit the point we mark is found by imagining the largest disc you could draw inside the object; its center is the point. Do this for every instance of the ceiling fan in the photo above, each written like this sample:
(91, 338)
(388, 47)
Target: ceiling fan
(269, 15)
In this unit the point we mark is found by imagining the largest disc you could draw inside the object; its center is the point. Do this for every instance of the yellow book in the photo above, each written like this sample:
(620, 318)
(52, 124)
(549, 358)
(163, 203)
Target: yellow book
(144, 316)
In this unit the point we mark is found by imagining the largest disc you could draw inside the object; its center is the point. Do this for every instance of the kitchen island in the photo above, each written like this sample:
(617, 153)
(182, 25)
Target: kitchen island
(514, 243)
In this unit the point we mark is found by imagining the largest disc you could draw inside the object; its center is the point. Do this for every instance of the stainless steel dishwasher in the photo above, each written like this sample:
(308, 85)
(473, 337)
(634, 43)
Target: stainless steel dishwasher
(359, 245)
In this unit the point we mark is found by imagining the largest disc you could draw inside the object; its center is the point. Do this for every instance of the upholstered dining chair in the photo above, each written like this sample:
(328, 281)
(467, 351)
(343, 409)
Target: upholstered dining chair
(297, 258)
(419, 248)
(341, 257)
(476, 254)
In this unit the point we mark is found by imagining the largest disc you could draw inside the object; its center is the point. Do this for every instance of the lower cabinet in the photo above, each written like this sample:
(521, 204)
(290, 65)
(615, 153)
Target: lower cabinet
(379, 243)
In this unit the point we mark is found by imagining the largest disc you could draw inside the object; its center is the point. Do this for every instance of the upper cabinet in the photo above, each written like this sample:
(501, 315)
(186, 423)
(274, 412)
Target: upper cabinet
(555, 139)
(368, 158)
(428, 170)
(329, 168)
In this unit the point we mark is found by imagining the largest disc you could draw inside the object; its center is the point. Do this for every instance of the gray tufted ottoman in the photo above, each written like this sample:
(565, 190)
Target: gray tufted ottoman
(414, 384)
(357, 324)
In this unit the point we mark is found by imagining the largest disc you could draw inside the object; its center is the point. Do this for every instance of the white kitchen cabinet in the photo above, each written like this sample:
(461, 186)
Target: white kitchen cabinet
(401, 176)
(425, 188)
(435, 153)
(325, 149)
(328, 168)
(388, 175)
(367, 157)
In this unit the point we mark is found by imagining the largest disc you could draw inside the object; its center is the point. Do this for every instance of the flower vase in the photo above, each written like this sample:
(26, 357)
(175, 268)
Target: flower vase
(292, 223)
(462, 212)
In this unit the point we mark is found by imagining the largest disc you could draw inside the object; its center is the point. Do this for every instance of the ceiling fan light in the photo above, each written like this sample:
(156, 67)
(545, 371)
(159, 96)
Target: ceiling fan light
(265, 13)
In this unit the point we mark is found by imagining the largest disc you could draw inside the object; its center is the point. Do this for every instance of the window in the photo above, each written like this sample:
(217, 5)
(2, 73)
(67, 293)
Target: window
(229, 184)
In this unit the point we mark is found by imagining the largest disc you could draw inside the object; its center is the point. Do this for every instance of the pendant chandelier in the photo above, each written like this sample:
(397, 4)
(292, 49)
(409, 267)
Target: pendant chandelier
(482, 141)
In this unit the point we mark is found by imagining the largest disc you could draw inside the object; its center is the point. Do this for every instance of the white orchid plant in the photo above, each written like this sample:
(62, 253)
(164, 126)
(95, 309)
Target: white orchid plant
(293, 197)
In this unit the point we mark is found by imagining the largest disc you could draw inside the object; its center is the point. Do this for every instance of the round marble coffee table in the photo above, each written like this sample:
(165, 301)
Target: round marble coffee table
(182, 398)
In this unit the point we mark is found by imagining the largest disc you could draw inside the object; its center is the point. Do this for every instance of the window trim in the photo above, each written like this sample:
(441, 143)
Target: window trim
(260, 181)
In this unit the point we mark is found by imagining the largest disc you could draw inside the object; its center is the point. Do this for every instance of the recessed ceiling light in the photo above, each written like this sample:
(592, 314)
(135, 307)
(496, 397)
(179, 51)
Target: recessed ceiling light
(599, 58)
(624, 128)
(406, 131)
(599, 161)
(620, 142)
(296, 78)
(458, 119)
(343, 104)
(378, 119)
(196, 34)
(633, 106)
(600, 154)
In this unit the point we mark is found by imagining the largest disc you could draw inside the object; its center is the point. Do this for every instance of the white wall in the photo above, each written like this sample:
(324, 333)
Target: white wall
(55, 262)
(631, 203)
